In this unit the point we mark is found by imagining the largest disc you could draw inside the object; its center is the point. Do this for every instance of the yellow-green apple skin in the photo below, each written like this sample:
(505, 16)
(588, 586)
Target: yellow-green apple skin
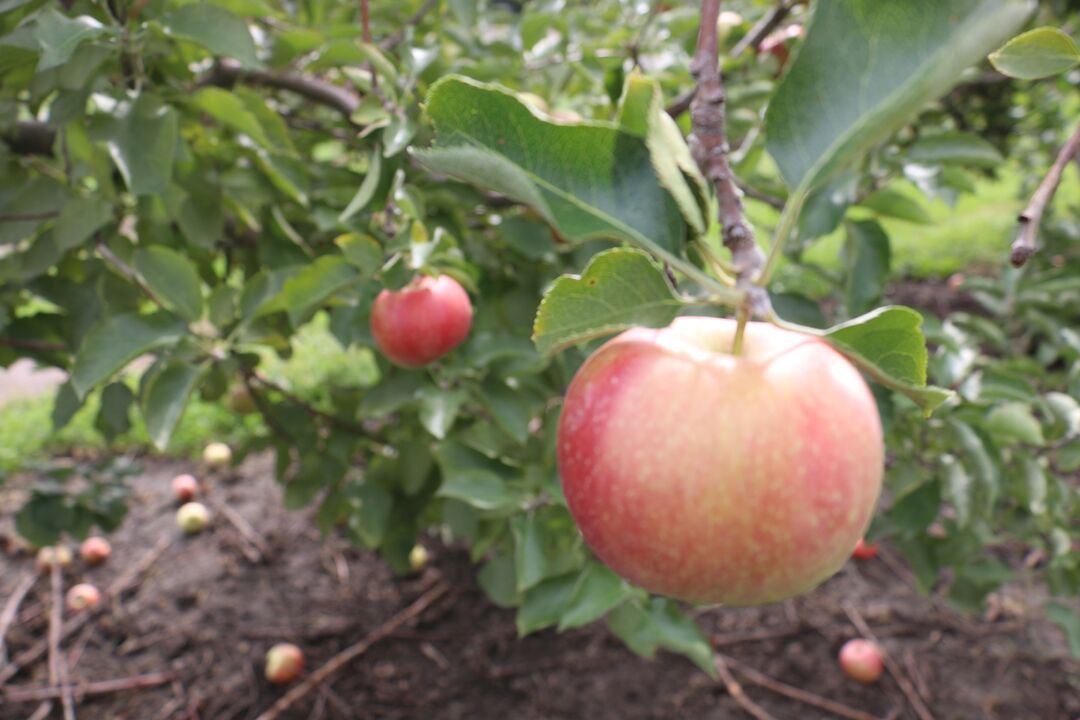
(716, 478)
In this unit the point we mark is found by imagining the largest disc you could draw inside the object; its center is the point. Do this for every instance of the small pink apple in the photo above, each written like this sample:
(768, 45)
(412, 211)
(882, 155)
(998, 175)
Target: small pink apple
(95, 550)
(862, 660)
(53, 555)
(185, 487)
(865, 551)
(284, 663)
(83, 596)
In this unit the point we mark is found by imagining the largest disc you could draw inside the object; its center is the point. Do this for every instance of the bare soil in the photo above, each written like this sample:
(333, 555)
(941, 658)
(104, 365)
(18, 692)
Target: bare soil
(206, 612)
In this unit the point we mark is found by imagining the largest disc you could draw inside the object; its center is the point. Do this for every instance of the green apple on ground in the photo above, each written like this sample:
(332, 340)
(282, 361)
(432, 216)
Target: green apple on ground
(217, 454)
(418, 558)
(862, 660)
(95, 550)
(717, 478)
(83, 596)
(422, 322)
(53, 555)
(185, 487)
(192, 517)
(284, 663)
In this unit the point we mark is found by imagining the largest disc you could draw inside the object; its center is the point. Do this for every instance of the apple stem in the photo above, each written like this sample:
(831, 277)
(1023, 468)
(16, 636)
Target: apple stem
(741, 316)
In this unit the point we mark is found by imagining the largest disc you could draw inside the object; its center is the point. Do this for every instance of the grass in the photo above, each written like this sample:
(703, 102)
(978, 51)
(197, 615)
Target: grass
(317, 362)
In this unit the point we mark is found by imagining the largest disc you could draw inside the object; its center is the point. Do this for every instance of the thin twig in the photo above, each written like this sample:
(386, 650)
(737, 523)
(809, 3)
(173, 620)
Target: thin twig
(352, 652)
(736, 692)
(395, 38)
(808, 698)
(751, 192)
(22, 344)
(901, 679)
(254, 546)
(227, 73)
(57, 662)
(709, 145)
(11, 609)
(764, 26)
(28, 217)
(118, 587)
(103, 687)
(738, 638)
(1026, 242)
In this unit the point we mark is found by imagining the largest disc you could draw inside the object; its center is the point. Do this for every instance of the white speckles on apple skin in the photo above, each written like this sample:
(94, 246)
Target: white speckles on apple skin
(713, 479)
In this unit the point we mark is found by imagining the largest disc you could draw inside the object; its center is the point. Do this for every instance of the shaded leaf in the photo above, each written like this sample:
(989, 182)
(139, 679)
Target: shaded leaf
(1038, 53)
(117, 340)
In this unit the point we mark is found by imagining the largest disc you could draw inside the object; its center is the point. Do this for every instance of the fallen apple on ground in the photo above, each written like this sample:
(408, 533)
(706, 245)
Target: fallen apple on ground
(862, 660)
(217, 454)
(418, 558)
(717, 478)
(865, 551)
(192, 517)
(422, 322)
(53, 555)
(284, 663)
(83, 596)
(185, 487)
(95, 550)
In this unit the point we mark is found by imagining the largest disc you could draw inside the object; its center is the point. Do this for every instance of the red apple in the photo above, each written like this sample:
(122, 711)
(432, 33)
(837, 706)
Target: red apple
(716, 478)
(861, 660)
(95, 550)
(83, 596)
(865, 551)
(185, 487)
(421, 322)
(284, 663)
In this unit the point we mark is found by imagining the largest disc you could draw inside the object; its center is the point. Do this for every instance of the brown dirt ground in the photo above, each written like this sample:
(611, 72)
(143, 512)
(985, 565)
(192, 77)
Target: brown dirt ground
(208, 613)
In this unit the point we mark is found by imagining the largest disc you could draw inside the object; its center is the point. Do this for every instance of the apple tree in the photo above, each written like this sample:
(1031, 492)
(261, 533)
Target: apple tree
(198, 182)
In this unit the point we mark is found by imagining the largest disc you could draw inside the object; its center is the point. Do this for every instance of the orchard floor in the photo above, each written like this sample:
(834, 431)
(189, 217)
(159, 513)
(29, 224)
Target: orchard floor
(206, 612)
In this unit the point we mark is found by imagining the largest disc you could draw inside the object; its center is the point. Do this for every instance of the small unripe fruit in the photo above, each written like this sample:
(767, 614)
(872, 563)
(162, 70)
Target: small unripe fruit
(192, 517)
(240, 400)
(185, 487)
(418, 558)
(862, 660)
(95, 550)
(83, 596)
(54, 555)
(217, 454)
(865, 551)
(423, 321)
(284, 663)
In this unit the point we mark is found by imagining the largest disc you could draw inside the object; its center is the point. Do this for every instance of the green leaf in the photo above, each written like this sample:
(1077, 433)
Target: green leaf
(620, 288)
(498, 579)
(955, 148)
(587, 180)
(65, 405)
(164, 397)
(142, 143)
(898, 205)
(232, 112)
(543, 604)
(509, 408)
(362, 251)
(59, 36)
(369, 521)
(307, 290)
(474, 479)
(642, 113)
(866, 66)
(546, 544)
(367, 188)
(213, 27)
(888, 345)
(114, 413)
(959, 489)
(661, 624)
(1015, 421)
(1068, 619)
(79, 220)
(1036, 485)
(439, 408)
(868, 256)
(1038, 53)
(172, 278)
(117, 340)
(597, 592)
